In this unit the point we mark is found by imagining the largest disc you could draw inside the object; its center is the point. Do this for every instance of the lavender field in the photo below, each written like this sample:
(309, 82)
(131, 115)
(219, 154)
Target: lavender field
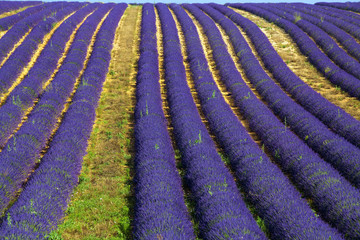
(179, 121)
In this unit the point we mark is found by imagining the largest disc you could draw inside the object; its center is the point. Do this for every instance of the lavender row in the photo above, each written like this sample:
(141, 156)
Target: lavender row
(335, 74)
(344, 6)
(324, 41)
(329, 18)
(7, 22)
(348, 16)
(12, 36)
(285, 213)
(23, 54)
(251, 107)
(21, 152)
(334, 117)
(334, 149)
(6, 6)
(313, 176)
(33, 216)
(347, 41)
(160, 211)
(219, 208)
(24, 94)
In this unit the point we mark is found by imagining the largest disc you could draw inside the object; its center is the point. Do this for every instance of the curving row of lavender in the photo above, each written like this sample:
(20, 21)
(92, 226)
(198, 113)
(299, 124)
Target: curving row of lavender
(220, 211)
(23, 54)
(348, 16)
(7, 6)
(329, 22)
(320, 60)
(323, 40)
(285, 214)
(23, 96)
(336, 150)
(160, 211)
(33, 216)
(19, 29)
(313, 176)
(334, 117)
(7, 22)
(23, 149)
(329, 45)
(345, 6)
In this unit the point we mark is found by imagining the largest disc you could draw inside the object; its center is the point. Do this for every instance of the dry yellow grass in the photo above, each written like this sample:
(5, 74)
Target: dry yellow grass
(2, 33)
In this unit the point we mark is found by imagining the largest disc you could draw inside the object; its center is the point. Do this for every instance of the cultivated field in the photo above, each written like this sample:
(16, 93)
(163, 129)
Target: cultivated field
(191, 121)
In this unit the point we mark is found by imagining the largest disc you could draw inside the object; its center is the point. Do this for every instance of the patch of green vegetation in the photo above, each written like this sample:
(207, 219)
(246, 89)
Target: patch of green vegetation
(327, 69)
(112, 73)
(297, 17)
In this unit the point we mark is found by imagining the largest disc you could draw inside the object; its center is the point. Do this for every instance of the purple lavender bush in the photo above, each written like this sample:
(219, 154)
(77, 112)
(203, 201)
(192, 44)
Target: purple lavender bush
(220, 210)
(23, 96)
(22, 55)
(160, 211)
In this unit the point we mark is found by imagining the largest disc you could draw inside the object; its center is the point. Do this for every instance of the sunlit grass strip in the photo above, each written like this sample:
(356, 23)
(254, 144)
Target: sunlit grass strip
(44, 199)
(103, 208)
(321, 61)
(23, 149)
